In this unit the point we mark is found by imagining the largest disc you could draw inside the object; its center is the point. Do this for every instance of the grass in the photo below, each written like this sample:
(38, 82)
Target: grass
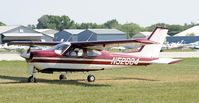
(176, 83)
(179, 50)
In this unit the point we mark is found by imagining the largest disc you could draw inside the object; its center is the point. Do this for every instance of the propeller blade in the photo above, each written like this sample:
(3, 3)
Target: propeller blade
(25, 55)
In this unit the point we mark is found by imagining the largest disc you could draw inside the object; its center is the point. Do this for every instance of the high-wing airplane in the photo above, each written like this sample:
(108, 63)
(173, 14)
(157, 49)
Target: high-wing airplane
(88, 56)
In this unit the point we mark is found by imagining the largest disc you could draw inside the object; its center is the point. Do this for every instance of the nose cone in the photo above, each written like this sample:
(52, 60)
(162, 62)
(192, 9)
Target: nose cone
(25, 55)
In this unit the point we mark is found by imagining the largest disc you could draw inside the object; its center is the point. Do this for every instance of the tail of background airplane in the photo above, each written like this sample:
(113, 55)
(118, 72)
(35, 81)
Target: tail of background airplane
(153, 50)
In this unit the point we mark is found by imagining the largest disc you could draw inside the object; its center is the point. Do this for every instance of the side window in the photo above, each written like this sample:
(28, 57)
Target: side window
(93, 53)
(77, 52)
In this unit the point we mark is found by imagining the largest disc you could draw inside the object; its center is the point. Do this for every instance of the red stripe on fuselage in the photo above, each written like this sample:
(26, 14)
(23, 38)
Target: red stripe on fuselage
(69, 61)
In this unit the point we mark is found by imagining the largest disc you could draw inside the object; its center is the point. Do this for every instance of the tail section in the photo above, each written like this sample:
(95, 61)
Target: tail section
(153, 50)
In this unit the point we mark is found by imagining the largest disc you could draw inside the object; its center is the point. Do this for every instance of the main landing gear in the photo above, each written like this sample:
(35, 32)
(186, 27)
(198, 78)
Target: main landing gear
(62, 76)
(91, 78)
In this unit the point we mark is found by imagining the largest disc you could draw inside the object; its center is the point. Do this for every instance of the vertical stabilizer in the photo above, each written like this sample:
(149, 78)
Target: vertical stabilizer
(153, 50)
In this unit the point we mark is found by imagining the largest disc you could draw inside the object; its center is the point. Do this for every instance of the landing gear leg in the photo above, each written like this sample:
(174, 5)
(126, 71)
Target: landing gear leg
(91, 78)
(62, 76)
(32, 77)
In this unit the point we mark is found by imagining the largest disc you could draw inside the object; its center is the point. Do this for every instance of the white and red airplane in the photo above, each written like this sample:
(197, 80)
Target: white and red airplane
(89, 55)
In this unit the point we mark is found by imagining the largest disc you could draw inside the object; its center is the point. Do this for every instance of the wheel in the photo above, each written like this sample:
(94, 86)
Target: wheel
(91, 78)
(32, 79)
(62, 77)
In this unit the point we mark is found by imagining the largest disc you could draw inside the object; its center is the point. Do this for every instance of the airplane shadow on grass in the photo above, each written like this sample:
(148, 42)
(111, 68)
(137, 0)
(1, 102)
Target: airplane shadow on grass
(77, 82)
(130, 78)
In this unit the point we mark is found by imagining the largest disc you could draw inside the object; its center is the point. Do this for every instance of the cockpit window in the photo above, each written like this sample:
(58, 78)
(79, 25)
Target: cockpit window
(61, 47)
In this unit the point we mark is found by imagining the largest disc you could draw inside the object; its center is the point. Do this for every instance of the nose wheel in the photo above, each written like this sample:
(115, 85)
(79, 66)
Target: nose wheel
(32, 77)
(91, 78)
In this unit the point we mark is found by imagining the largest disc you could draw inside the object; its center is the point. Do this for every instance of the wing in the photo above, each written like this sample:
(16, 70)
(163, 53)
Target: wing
(110, 43)
(86, 44)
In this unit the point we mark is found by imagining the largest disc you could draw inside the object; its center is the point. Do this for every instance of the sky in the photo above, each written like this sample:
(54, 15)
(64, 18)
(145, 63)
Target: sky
(142, 12)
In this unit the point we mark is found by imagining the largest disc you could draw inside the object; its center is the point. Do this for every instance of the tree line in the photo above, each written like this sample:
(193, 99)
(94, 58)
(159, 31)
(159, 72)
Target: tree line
(64, 22)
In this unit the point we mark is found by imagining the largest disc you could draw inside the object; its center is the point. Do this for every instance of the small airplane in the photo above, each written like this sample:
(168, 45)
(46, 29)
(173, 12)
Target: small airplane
(178, 45)
(6, 47)
(194, 45)
(88, 56)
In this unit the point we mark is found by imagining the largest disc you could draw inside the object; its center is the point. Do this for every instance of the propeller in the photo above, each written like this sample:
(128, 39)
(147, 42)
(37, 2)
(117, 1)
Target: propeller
(27, 55)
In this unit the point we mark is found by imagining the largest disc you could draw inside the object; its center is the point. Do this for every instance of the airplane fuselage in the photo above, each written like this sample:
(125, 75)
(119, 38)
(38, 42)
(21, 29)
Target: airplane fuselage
(49, 61)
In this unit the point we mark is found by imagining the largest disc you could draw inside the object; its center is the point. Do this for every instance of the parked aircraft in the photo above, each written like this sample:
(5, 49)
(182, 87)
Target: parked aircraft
(88, 56)
(13, 47)
(194, 45)
(178, 45)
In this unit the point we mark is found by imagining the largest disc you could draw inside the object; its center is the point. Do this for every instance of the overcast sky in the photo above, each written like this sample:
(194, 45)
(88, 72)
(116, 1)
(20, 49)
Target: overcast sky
(143, 12)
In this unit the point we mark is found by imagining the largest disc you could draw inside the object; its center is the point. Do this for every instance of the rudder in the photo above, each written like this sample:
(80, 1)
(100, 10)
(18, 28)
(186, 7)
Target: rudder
(153, 50)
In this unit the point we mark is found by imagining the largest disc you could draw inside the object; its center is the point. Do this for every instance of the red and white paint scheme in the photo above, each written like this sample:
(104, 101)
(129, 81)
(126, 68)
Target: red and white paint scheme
(90, 56)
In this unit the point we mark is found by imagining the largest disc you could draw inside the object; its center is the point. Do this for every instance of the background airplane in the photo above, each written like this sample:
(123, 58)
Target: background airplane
(91, 56)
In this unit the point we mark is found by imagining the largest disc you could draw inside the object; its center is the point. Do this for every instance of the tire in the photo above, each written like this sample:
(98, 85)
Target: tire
(32, 79)
(91, 78)
(62, 77)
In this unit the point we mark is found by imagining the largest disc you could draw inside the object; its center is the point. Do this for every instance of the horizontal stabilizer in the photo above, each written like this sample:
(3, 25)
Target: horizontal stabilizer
(166, 61)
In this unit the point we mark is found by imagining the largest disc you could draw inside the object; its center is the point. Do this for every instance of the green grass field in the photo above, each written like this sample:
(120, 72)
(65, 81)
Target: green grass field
(176, 83)
(179, 50)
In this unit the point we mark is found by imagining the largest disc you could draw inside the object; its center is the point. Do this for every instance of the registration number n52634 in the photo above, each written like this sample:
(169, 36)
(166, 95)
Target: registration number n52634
(124, 61)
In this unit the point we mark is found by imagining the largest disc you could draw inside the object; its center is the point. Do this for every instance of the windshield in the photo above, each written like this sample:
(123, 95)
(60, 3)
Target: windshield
(60, 47)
